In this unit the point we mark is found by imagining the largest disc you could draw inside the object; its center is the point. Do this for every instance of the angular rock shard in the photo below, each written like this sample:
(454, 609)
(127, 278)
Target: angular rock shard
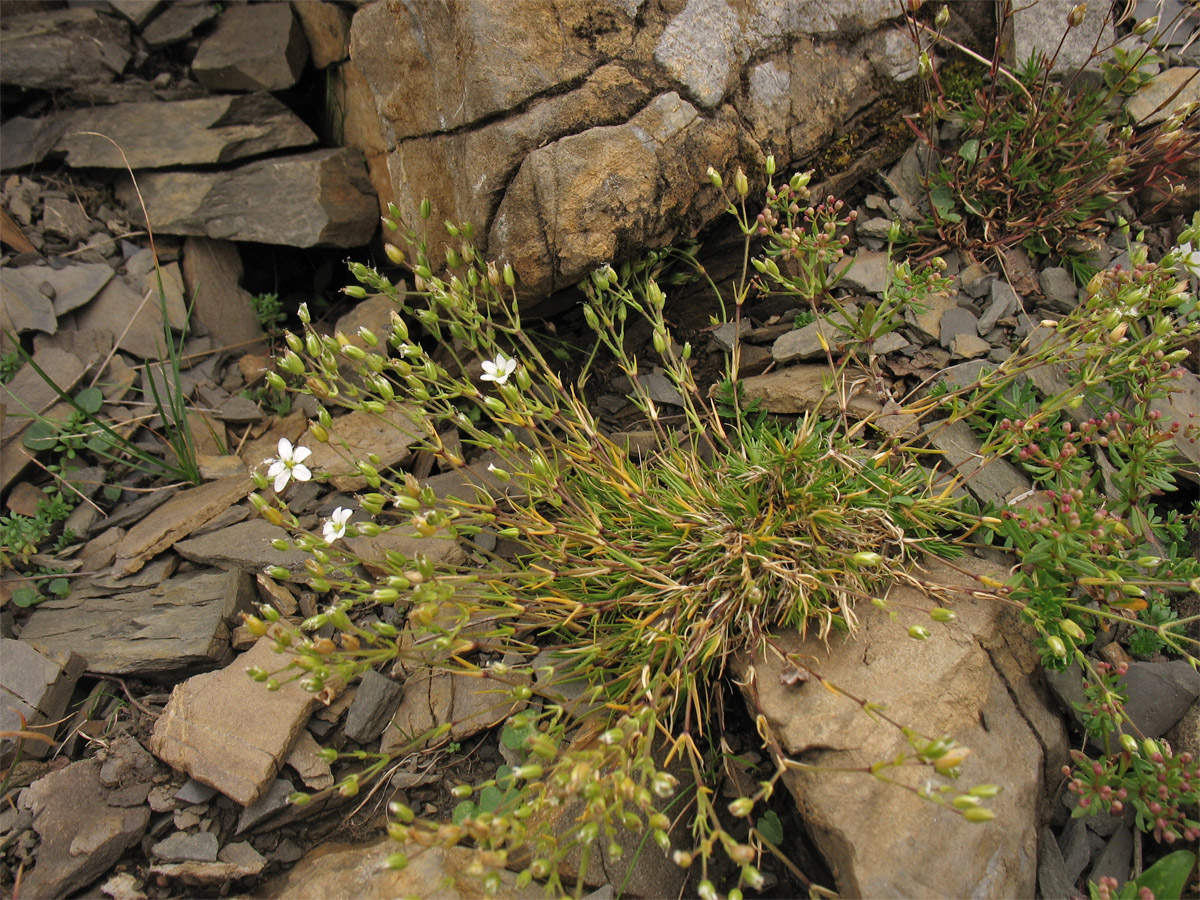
(229, 732)
(186, 133)
(318, 198)
(947, 685)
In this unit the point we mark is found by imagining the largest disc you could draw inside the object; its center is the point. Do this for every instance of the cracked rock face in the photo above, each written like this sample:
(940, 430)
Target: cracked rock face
(968, 682)
(572, 133)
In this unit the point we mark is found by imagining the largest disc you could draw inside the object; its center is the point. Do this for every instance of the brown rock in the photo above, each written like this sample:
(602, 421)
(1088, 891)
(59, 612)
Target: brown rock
(797, 389)
(185, 133)
(358, 434)
(82, 833)
(121, 311)
(28, 394)
(947, 685)
(212, 273)
(230, 732)
(327, 28)
(437, 68)
(465, 174)
(24, 498)
(246, 545)
(257, 47)
(25, 307)
(176, 519)
(321, 197)
(35, 686)
(585, 199)
(354, 872)
(177, 22)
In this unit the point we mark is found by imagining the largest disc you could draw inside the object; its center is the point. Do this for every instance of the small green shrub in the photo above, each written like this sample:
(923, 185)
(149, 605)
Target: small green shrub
(1037, 162)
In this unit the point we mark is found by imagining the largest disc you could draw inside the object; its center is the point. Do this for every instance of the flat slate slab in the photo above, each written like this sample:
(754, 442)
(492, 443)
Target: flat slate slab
(179, 626)
(185, 133)
(246, 545)
(229, 732)
(36, 685)
(176, 519)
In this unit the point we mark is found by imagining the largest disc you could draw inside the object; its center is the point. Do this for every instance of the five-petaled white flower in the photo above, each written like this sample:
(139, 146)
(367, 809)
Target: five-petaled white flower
(289, 465)
(499, 369)
(336, 526)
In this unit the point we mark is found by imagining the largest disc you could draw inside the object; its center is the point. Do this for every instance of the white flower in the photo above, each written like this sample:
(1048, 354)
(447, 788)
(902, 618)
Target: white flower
(1189, 259)
(289, 465)
(336, 526)
(499, 369)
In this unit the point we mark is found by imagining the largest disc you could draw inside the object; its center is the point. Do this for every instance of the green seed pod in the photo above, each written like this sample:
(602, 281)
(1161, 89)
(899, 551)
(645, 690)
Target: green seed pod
(715, 177)
(510, 277)
(740, 183)
(1072, 630)
(394, 253)
(1129, 743)
(426, 209)
(299, 798)
(356, 291)
(770, 165)
(979, 814)
(918, 632)
(941, 614)
(279, 573)
(1056, 646)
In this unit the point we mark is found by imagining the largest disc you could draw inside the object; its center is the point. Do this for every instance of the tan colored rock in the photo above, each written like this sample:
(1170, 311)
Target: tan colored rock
(799, 388)
(135, 319)
(466, 174)
(229, 732)
(947, 685)
(588, 197)
(359, 872)
(356, 435)
(305, 758)
(176, 519)
(437, 68)
(327, 28)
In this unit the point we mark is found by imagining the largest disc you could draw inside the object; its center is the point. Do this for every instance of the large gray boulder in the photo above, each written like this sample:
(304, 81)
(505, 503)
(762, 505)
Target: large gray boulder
(573, 132)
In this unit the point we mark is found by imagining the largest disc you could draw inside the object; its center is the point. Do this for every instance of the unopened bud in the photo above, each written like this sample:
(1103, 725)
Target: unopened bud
(942, 19)
(394, 253)
(740, 183)
(1150, 24)
(715, 177)
(1056, 646)
(1075, 16)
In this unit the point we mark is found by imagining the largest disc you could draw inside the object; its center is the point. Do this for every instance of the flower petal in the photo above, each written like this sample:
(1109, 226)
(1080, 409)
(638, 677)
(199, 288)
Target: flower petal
(285, 448)
(301, 472)
(281, 479)
(300, 454)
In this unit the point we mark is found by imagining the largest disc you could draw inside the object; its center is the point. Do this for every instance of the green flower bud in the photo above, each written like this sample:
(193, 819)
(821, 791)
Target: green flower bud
(426, 208)
(299, 798)
(1056, 646)
(715, 177)
(918, 632)
(1072, 630)
(942, 19)
(279, 573)
(985, 790)
(356, 291)
(1149, 748)
(941, 614)
(978, 814)
(1129, 743)
(741, 807)
(510, 277)
(865, 558)
(770, 165)
(740, 183)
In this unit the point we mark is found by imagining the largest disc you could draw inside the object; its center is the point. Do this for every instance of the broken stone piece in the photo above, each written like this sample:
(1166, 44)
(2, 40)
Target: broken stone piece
(82, 833)
(208, 130)
(318, 198)
(945, 686)
(246, 545)
(375, 703)
(352, 437)
(230, 732)
(180, 847)
(258, 47)
(168, 630)
(62, 48)
(37, 684)
(176, 519)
